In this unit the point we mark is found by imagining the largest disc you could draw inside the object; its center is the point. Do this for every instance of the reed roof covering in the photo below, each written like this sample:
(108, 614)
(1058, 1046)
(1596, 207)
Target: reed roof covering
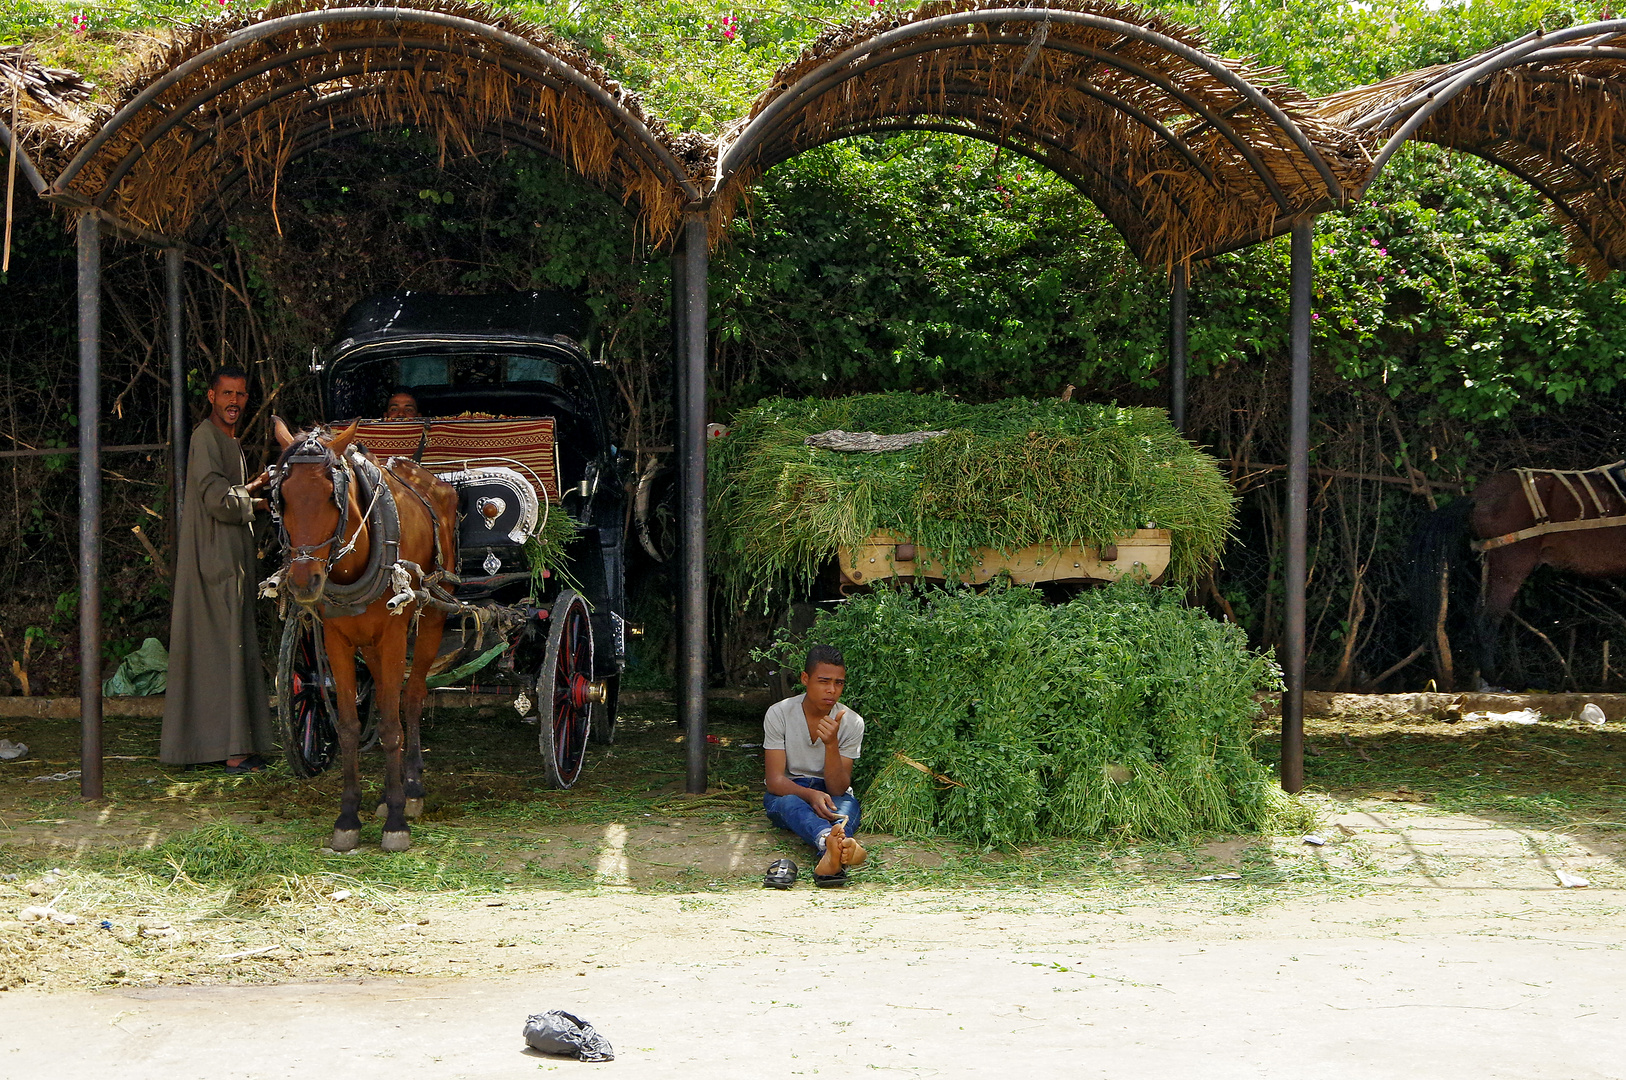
(232, 101)
(1552, 114)
(1186, 153)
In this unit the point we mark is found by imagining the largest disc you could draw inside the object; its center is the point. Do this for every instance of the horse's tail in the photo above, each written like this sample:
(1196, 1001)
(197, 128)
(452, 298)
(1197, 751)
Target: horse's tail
(1434, 547)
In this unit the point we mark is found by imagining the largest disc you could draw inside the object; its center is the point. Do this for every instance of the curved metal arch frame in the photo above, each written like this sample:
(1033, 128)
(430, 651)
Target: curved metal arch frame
(1151, 76)
(178, 117)
(340, 97)
(1378, 120)
(316, 136)
(1209, 116)
(807, 88)
(1544, 189)
(632, 125)
(30, 171)
(944, 128)
(995, 138)
(1439, 93)
(1107, 98)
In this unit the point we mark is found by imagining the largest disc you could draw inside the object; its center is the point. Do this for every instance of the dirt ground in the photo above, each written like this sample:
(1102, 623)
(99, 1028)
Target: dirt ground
(1429, 934)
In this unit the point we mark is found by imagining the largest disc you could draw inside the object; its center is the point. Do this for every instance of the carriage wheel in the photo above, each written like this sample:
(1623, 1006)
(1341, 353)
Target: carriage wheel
(306, 712)
(565, 691)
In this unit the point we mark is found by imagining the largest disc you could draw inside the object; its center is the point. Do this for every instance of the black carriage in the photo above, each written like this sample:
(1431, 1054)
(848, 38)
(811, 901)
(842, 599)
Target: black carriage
(512, 411)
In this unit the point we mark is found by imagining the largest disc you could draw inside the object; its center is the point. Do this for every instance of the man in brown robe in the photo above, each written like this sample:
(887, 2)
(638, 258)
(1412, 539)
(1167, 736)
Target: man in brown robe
(215, 708)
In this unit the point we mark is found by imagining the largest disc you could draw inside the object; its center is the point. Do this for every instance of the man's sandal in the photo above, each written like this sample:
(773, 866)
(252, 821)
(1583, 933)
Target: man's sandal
(831, 881)
(781, 875)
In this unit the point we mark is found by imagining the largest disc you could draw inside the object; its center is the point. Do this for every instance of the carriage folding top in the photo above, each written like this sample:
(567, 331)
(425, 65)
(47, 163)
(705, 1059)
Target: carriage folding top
(501, 381)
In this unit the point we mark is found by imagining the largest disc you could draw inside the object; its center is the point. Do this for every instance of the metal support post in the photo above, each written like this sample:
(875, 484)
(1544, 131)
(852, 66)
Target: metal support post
(90, 507)
(1298, 506)
(177, 383)
(1178, 348)
(691, 455)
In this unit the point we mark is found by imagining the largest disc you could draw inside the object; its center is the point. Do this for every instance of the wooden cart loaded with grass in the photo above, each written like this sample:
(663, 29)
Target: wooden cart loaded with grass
(922, 488)
(1143, 553)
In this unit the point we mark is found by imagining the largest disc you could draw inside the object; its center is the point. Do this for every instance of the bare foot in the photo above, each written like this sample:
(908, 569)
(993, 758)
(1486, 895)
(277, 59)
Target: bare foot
(830, 861)
(853, 853)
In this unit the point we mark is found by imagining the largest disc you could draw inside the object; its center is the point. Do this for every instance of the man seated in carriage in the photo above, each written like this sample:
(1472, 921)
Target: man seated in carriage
(403, 405)
(809, 744)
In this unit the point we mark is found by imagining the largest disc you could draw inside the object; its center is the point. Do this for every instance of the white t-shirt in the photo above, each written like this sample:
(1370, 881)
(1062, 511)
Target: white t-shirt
(785, 728)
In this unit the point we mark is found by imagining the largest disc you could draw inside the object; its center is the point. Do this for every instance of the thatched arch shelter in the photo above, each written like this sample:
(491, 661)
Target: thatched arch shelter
(1549, 108)
(217, 112)
(1188, 154)
(227, 105)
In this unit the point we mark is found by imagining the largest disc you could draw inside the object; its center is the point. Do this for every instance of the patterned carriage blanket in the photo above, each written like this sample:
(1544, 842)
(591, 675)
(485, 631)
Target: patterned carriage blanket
(522, 443)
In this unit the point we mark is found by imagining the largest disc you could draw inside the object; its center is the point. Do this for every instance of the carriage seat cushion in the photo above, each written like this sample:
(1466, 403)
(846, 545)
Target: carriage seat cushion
(471, 442)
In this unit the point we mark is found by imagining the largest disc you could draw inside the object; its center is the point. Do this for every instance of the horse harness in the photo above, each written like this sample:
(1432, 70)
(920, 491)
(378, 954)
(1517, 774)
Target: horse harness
(1606, 476)
(385, 571)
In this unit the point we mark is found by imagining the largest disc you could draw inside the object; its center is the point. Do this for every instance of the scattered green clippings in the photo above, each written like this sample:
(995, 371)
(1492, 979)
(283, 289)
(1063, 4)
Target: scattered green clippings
(1008, 474)
(545, 552)
(1121, 715)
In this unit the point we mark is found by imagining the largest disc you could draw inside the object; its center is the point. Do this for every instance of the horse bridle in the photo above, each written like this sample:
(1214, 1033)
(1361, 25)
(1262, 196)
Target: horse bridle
(312, 451)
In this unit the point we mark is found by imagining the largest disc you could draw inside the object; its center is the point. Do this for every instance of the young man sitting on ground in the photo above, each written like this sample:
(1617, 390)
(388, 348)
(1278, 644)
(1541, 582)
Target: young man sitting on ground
(809, 746)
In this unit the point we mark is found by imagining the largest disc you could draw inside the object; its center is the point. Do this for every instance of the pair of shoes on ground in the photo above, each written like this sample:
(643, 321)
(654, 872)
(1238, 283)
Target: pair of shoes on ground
(782, 874)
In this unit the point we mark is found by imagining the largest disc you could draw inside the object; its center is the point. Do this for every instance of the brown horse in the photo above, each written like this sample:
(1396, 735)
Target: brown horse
(341, 560)
(1519, 520)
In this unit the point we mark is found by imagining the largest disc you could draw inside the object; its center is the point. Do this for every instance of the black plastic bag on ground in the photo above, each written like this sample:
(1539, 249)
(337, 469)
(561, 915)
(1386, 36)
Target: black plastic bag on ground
(559, 1032)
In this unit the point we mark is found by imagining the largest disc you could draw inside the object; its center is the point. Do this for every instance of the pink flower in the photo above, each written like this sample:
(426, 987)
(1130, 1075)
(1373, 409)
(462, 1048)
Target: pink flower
(1383, 251)
(1374, 243)
(1315, 316)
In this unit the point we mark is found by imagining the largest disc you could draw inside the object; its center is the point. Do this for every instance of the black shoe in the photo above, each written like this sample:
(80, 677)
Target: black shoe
(781, 875)
(251, 764)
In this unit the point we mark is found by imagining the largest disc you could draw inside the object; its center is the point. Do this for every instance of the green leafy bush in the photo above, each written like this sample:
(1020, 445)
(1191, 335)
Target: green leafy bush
(1120, 715)
(1008, 474)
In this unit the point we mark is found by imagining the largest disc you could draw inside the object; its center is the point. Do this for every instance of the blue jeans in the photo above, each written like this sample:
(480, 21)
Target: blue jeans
(792, 812)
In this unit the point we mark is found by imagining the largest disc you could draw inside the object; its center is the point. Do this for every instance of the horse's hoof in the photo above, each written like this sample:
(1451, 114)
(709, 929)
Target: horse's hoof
(414, 808)
(345, 839)
(397, 841)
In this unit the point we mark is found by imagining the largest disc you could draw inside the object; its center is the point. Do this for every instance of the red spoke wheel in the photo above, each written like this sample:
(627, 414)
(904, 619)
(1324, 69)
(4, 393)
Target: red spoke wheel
(306, 712)
(565, 691)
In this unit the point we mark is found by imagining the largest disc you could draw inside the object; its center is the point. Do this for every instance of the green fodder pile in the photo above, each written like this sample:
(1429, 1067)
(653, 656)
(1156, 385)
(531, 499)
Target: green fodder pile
(1121, 715)
(1008, 474)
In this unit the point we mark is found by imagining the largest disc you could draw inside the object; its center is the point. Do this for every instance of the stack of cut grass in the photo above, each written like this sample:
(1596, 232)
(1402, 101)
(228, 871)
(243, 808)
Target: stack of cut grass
(1008, 474)
(998, 719)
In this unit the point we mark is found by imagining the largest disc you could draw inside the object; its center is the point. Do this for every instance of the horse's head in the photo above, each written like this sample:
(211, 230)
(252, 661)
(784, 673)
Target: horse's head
(311, 495)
